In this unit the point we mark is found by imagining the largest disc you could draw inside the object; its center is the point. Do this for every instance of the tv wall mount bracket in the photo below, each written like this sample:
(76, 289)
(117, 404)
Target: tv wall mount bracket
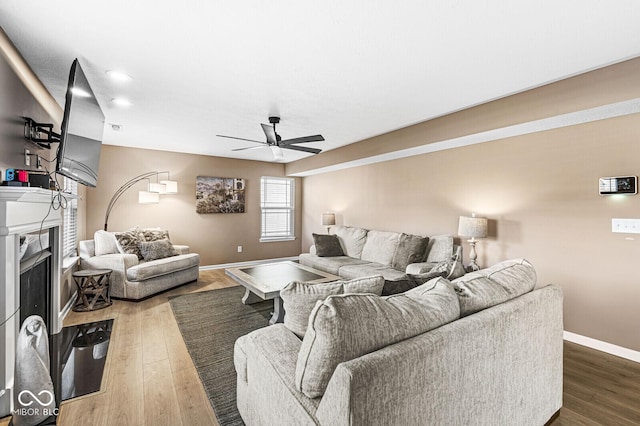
(41, 134)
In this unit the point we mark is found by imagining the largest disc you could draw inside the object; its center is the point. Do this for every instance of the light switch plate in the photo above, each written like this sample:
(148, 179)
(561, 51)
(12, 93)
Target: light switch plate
(625, 226)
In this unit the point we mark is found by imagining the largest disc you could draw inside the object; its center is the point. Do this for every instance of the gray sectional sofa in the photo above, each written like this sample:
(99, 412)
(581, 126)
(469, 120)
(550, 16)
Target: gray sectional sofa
(485, 349)
(398, 257)
(133, 277)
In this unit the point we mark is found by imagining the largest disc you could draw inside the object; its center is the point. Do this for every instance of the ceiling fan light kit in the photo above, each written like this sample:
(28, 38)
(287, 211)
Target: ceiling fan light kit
(276, 143)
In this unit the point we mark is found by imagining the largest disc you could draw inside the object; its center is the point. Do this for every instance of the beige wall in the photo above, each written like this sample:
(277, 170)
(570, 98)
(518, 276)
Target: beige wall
(539, 190)
(214, 236)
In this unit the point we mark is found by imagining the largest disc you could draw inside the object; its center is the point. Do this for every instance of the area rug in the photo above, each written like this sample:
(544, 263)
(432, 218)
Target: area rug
(210, 323)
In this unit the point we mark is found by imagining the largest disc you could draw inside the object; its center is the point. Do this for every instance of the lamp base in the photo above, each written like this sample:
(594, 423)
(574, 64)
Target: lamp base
(472, 266)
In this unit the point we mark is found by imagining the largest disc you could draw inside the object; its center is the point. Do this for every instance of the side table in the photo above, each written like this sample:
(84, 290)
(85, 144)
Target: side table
(93, 289)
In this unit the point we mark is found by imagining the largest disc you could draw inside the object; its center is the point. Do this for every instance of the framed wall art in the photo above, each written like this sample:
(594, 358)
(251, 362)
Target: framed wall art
(219, 195)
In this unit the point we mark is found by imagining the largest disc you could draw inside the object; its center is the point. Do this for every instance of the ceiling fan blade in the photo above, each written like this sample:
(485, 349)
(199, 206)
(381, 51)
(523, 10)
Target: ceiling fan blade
(302, 148)
(277, 152)
(269, 133)
(304, 139)
(240, 139)
(250, 147)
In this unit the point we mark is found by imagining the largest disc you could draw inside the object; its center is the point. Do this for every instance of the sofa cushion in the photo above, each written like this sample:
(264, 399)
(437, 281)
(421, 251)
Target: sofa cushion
(158, 249)
(410, 249)
(353, 271)
(128, 241)
(327, 245)
(156, 268)
(440, 248)
(299, 299)
(328, 264)
(352, 240)
(105, 243)
(380, 247)
(344, 327)
(488, 287)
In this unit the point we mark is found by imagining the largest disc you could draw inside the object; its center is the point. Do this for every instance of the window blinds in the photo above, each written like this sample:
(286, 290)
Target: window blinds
(70, 220)
(277, 208)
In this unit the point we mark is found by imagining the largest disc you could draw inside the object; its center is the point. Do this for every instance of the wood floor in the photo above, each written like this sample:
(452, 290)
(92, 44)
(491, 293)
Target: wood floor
(150, 379)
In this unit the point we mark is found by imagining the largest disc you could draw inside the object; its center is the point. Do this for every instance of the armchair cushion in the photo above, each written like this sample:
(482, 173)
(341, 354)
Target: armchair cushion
(160, 267)
(153, 234)
(105, 243)
(158, 249)
(128, 241)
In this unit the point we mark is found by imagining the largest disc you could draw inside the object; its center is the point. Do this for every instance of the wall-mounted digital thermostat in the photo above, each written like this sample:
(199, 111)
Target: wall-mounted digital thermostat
(619, 185)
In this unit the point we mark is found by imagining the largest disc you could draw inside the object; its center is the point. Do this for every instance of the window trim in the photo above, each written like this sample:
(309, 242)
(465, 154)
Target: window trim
(71, 207)
(290, 206)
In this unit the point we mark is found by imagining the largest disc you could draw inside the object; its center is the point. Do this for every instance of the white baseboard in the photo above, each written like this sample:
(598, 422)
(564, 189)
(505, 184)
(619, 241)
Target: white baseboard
(67, 308)
(599, 345)
(248, 263)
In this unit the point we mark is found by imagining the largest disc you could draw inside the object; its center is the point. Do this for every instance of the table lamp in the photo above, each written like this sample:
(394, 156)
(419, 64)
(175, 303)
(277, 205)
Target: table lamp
(328, 220)
(473, 227)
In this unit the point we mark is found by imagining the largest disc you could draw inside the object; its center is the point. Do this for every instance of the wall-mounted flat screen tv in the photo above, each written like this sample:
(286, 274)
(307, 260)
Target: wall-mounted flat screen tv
(82, 130)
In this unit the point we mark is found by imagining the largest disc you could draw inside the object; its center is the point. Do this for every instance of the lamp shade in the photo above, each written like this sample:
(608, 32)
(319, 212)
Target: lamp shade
(146, 197)
(328, 219)
(171, 186)
(474, 227)
(157, 187)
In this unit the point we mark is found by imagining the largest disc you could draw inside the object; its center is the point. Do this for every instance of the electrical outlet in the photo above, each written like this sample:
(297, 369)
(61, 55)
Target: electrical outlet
(27, 158)
(625, 226)
(239, 249)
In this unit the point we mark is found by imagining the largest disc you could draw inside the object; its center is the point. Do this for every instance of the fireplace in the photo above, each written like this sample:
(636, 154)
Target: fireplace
(35, 276)
(29, 275)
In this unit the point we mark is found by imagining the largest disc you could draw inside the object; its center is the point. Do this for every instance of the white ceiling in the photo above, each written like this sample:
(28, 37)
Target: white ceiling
(348, 70)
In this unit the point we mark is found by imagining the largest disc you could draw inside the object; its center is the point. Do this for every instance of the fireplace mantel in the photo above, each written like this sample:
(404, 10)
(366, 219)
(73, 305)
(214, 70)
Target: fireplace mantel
(24, 210)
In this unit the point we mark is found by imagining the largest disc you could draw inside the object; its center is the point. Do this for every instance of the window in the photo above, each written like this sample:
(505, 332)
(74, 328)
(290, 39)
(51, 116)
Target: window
(276, 204)
(70, 220)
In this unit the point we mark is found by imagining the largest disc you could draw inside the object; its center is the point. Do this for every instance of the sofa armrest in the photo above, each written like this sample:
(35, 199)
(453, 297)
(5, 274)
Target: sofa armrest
(118, 263)
(420, 268)
(424, 267)
(181, 249)
(265, 362)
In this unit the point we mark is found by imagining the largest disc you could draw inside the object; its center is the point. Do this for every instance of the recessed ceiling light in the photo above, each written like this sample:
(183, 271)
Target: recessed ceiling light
(80, 92)
(121, 102)
(119, 76)
(115, 127)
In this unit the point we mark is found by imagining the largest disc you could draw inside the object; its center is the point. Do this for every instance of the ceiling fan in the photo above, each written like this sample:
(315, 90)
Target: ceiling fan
(275, 142)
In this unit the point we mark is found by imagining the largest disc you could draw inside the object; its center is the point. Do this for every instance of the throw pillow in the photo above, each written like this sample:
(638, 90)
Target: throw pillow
(327, 245)
(105, 243)
(345, 327)
(488, 287)
(440, 248)
(451, 268)
(128, 241)
(410, 249)
(299, 299)
(153, 234)
(152, 250)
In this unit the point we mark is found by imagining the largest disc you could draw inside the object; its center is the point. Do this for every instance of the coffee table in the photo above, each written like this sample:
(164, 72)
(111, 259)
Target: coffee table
(264, 282)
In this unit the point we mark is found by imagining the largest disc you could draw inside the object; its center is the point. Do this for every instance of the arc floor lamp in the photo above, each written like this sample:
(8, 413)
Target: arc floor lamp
(151, 195)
